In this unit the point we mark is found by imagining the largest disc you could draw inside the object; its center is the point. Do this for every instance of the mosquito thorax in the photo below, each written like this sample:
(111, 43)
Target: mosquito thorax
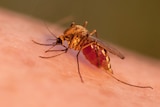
(73, 35)
(76, 30)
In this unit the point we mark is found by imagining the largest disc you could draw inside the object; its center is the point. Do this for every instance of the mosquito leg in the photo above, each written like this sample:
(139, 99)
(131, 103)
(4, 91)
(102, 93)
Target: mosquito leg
(52, 56)
(94, 32)
(65, 51)
(73, 24)
(128, 83)
(85, 24)
(49, 50)
(79, 68)
(54, 50)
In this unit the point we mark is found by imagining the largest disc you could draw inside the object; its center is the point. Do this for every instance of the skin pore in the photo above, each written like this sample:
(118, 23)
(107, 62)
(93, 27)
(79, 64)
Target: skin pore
(29, 81)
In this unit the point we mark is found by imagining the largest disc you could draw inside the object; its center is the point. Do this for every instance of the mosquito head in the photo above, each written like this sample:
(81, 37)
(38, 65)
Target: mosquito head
(59, 41)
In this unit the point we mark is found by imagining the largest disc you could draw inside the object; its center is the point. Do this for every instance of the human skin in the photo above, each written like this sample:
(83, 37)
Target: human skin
(26, 80)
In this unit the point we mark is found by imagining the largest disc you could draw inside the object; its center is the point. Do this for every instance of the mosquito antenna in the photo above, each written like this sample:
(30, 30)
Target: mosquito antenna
(49, 30)
(128, 83)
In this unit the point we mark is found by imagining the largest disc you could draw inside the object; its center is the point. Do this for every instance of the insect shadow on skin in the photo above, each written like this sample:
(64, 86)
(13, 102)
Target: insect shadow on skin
(96, 51)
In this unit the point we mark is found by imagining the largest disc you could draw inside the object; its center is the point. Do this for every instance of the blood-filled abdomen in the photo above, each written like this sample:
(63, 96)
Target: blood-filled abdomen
(97, 56)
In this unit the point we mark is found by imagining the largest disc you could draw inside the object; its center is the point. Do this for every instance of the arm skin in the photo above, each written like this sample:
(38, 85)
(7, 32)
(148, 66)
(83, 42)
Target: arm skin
(29, 81)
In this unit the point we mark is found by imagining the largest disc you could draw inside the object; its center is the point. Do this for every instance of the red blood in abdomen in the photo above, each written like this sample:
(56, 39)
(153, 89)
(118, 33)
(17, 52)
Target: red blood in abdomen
(95, 56)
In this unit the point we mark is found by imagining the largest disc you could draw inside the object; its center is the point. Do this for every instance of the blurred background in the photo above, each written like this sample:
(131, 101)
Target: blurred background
(132, 24)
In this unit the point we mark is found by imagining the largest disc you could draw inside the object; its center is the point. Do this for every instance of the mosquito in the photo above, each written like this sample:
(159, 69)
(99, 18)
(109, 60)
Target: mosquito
(96, 51)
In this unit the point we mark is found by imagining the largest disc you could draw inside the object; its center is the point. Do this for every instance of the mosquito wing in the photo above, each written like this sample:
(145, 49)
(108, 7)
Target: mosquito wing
(107, 47)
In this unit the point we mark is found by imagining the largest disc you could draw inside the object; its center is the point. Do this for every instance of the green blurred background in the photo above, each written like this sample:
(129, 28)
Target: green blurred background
(133, 24)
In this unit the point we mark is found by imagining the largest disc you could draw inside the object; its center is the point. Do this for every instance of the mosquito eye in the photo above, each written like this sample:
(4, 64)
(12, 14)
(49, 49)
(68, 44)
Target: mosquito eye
(59, 41)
